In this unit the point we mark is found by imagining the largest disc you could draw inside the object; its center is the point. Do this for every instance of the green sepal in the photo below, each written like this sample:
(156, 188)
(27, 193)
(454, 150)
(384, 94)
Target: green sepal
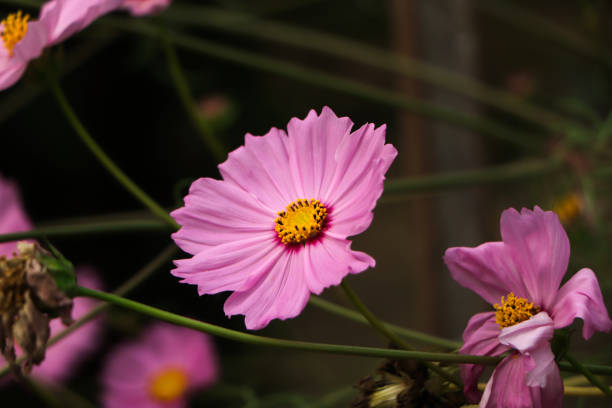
(560, 343)
(60, 268)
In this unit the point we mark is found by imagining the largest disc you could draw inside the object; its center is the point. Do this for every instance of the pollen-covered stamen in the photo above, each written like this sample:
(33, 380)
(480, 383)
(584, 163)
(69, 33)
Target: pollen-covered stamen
(14, 28)
(514, 310)
(302, 221)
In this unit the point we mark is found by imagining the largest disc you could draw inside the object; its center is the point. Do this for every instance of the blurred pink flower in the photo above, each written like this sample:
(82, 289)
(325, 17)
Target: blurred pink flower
(63, 358)
(144, 7)
(159, 369)
(13, 217)
(520, 277)
(24, 40)
(275, 229)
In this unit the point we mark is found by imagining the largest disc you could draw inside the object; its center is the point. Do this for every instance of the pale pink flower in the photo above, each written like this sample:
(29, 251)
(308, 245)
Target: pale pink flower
(520, 277)
(23, 40)
(144, 7)
(159, 369)
(13, 217)
(275, 229)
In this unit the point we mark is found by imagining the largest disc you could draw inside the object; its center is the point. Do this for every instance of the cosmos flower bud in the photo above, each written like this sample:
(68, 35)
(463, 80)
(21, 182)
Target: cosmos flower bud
(404, 384)
(29, 298)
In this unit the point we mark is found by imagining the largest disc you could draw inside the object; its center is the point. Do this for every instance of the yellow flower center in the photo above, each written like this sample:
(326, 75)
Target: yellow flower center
(15, 27)
(168, 384)
(514, 310)
(303, 220)
(568, 208)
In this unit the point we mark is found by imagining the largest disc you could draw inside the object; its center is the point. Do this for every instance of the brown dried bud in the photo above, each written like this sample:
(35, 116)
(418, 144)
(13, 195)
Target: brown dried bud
(29, 298)
(405, 384)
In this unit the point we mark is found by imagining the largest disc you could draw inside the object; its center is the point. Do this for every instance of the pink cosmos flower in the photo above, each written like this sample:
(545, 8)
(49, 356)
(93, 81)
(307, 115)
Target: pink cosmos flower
(275, 228)
(13, 217)
(159, 369)
(520, 278)
(23, 40)
(144, 7)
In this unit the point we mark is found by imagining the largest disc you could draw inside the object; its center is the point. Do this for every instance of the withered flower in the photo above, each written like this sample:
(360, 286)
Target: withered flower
(406, 384)
(29, 298)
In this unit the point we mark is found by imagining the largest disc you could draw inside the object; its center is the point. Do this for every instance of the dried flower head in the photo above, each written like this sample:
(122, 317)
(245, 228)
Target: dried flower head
(406, 384)
(29, 298)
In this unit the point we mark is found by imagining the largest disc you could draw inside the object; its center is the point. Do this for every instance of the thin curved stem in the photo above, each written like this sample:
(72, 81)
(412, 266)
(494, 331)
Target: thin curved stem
(122, 290)
(253, 27)
(184, 93)
(335, 82)
(466, 178)
(388, 333)
(588, 374)
(103, 158)
(279, 343)
(402, 331)
(79, 229)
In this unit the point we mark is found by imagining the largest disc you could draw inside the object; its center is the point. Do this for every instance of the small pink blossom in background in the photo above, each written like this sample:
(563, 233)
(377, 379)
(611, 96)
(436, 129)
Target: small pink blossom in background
(159, 369)
(213, 106)
(530, 262)
(62, 359)
(13, 217)
(59, 19)
(230, 225)
(144, 7)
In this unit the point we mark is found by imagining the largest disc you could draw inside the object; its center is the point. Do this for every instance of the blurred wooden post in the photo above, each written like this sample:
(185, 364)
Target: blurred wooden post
(447, 39)
(417, 222)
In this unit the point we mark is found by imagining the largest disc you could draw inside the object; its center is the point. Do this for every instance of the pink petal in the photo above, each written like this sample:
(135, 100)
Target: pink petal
(217, 212)
(10, 72)
(529, 334)
(279, 293)
(479, 338)
(13, 217)
(261, 167)
(581, 297)
(540, 248)
(313, 143)
(545, 370)
(329, 260)
(63, 18)
(507, 387)
(32, 44)
(486, 269)
(229, 266)
(140, 8)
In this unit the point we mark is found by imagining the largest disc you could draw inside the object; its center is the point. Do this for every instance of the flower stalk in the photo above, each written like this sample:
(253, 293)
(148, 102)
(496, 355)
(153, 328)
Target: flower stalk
(102, 157)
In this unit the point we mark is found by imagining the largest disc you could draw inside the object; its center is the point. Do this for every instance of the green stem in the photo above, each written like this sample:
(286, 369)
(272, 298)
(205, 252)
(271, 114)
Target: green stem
(465, 178)
(335, 82)
(280, 343)
(182, 88)
(122, 290)
(79, 229)
(513, 14)
(248, 25)
(44, 394)
(388, 333)
(407, 333)
(588, 374)
(103, 158)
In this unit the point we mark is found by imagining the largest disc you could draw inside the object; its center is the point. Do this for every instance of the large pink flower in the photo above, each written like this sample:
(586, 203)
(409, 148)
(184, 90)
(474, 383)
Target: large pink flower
(275, 228)
(144, 7)
(13, 217)
(159, 369)
(520, 277)
(23, 40)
